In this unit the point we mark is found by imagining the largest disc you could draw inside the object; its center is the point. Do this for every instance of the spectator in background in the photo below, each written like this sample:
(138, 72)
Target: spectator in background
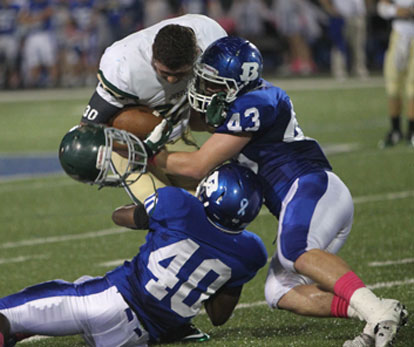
(10, 15)
(220, 10)
(39, 49)
(300, 22)
(348, 32)
(195, 6)
(123, 17)
(89, 18)
(72, 54)
(399, 68)
(155, 11)
(250, 16)
(251, 20)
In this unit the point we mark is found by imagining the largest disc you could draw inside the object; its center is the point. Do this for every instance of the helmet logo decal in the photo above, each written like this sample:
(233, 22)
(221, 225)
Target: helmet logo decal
(243, 205)
(250, 71)
(211, 184)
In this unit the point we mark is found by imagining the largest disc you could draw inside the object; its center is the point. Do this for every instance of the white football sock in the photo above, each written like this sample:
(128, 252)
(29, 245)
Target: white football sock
(367, 304)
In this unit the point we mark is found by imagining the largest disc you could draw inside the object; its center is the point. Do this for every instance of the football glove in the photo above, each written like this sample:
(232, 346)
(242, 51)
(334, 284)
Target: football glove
(158, 137)
(217, 110)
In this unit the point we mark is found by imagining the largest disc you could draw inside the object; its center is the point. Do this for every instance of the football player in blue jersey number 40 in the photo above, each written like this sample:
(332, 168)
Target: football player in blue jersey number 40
(255, 122)
(196, 252)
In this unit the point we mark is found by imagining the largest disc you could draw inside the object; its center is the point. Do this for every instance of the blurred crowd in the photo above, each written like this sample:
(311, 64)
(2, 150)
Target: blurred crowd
(58, 43)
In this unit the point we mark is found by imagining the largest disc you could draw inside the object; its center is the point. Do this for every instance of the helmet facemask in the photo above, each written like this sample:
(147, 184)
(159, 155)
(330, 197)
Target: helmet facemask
(206, 84)
(124, 144)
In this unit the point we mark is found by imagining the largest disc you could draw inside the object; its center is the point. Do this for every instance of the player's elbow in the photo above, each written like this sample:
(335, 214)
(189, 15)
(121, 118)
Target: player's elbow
(199, 172)
(194, 169)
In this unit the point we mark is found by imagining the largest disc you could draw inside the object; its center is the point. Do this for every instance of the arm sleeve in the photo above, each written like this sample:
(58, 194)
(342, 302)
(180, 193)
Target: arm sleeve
(99, 111)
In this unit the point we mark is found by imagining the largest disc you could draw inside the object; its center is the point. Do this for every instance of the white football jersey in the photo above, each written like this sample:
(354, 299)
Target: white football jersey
(126, 71)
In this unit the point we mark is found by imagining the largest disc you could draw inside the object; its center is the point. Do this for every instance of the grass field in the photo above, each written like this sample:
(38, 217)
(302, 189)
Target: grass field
(54, 227)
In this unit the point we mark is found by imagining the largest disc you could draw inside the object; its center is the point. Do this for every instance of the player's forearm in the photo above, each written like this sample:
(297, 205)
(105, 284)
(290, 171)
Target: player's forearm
(182, 163)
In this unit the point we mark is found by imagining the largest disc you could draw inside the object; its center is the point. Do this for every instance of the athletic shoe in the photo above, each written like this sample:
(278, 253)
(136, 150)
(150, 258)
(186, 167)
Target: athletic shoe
(194, 334)
(387, 328)
(362, 340)
(184, 333)
(391, 139)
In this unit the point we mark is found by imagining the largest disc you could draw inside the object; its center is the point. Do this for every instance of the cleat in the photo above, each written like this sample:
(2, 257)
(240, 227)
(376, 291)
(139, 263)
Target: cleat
(186, 333)
(386, 330)
(195, 334)
(362, 340)
(391, 139)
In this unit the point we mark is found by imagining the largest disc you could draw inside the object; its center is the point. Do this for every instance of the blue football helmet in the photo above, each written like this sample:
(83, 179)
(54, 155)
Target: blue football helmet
(230, 64)
(232, 196)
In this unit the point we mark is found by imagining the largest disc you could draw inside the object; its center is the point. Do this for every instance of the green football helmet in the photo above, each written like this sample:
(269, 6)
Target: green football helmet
(86, 154)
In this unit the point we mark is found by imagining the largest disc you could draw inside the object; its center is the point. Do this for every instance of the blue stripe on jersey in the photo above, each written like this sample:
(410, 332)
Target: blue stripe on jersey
(299, 213)
(55, 288)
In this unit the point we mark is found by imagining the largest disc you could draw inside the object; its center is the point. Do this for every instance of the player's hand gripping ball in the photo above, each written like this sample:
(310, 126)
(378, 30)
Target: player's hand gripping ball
(138, 120)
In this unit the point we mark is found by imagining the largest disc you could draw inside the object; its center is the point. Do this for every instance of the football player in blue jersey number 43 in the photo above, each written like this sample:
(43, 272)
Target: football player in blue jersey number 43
(196, 252)
(255, 122)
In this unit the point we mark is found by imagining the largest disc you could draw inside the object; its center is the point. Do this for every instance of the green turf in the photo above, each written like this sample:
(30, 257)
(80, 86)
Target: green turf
(42, 208)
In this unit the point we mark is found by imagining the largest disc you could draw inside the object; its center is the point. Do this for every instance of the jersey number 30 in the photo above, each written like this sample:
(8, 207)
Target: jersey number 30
(181, 252)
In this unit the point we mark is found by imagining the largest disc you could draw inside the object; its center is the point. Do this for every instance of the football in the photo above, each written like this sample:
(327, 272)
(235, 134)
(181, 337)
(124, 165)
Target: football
(138, 120)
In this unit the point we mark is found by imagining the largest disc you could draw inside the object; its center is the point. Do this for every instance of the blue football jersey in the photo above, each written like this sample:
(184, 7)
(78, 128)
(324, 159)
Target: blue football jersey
(8, 18)
(37, 7)
(184, 261)
(278, 151)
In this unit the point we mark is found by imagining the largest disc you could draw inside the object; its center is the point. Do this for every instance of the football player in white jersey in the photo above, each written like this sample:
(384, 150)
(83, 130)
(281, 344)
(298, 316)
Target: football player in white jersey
(152, 68)
(399, 68)
(255, 123)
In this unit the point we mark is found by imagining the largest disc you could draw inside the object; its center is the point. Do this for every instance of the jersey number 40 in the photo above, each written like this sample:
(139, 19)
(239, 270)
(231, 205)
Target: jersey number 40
(181, 252)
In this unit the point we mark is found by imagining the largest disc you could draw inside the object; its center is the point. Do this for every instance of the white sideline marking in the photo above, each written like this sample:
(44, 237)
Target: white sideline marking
(53, 239)
(36, 338)
(112, 263)
(382, 197)
(340, 148)
(391, 262)
(391, 284)
(21, 259)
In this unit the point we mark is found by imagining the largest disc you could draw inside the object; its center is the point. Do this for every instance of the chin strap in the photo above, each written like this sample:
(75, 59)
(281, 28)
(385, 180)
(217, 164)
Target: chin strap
(134, 199)
(132, 196)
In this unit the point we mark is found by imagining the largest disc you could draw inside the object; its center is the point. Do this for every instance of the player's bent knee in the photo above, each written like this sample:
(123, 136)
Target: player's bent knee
(288, 257)
(270, 292)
